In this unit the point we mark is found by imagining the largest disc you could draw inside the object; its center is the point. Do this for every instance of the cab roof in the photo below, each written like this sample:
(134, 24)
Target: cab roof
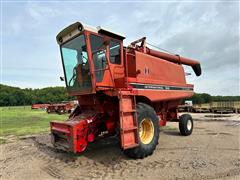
(77, 27)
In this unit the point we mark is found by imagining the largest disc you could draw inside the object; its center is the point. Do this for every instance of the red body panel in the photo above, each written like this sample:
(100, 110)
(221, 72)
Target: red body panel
(156, 69)
(164, 95)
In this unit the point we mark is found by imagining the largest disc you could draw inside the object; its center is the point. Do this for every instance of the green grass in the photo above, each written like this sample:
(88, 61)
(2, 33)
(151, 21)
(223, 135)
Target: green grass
(19, 121)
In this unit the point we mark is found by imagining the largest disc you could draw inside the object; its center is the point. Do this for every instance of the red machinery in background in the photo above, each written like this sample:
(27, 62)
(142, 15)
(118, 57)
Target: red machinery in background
(61, 108)
(39, 106)
(129, 91)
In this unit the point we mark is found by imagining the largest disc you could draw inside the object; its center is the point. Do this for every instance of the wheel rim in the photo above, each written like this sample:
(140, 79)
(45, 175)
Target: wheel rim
(146, 131)
(189, 125)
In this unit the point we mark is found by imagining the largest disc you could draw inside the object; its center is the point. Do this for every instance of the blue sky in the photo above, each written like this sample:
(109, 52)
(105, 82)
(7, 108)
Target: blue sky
(205, 31)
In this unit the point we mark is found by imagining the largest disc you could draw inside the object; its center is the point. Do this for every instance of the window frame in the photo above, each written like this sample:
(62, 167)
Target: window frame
(106, 58)
(120, 52)
(71, 91)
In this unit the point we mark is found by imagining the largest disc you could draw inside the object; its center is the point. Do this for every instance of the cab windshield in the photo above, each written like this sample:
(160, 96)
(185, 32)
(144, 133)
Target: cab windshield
(76, 65)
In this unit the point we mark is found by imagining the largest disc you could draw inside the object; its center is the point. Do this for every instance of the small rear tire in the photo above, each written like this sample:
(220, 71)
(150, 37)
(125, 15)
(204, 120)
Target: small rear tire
(186, 124)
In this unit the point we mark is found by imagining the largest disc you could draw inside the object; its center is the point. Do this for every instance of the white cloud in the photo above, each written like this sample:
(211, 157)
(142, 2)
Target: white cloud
(41, 12)
(16, 26)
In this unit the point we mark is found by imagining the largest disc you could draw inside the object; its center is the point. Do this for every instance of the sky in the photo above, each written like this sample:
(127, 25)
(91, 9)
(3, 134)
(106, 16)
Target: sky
(207, 31)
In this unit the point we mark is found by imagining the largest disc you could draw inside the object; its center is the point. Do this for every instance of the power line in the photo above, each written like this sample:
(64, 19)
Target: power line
(161, 48)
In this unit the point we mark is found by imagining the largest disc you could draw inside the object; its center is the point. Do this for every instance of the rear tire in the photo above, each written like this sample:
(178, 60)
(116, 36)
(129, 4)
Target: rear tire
(148, 132)
(185, 124)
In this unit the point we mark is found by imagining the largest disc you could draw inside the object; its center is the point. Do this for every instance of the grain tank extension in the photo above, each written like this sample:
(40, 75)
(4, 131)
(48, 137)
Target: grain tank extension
(124, 91)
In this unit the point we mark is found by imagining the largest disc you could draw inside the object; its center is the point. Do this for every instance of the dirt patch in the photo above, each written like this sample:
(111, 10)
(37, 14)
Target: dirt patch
(214, 117)
(211, 152)
(218, 116)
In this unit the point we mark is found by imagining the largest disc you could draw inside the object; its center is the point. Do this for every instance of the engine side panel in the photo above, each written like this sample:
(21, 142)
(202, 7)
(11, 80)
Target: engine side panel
(153, 68)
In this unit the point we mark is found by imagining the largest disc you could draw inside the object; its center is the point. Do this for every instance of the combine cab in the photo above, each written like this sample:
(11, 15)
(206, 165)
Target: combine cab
(125, 91)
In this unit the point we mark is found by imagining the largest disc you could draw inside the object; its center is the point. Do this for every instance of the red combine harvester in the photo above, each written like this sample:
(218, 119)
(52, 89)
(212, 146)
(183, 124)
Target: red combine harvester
(125, 91)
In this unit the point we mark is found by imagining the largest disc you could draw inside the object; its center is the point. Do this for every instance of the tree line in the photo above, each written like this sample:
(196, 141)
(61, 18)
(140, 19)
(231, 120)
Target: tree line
(14, 96)
(199, 98)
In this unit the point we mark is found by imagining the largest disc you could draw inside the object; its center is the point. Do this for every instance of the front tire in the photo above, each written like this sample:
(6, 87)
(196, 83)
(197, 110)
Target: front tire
(148, 132)
(186, 124)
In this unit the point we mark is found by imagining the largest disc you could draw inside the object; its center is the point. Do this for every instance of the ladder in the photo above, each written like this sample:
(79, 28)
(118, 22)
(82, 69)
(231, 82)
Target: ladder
(128, 120)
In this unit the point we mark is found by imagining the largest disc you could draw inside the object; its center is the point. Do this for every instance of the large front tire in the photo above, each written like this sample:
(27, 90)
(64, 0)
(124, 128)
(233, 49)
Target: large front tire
(148, 132)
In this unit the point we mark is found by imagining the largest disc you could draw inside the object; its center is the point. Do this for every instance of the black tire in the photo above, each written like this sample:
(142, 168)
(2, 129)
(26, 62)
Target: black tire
(143, 150)
(185, 130)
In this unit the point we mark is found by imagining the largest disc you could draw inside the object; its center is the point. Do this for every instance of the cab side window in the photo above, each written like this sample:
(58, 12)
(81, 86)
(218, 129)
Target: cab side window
(115, 52)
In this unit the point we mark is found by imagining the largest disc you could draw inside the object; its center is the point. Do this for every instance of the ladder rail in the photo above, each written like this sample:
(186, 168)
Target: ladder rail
(135, 117)
(125, 113)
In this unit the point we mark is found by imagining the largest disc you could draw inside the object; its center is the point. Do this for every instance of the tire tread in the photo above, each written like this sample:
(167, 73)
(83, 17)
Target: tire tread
(142, 150)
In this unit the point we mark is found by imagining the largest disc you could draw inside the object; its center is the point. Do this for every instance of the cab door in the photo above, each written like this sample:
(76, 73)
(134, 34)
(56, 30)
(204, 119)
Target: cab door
(107, 60)
(116, 62)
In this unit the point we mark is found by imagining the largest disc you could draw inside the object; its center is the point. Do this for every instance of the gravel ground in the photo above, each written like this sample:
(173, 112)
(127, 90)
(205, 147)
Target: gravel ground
(211, 152)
